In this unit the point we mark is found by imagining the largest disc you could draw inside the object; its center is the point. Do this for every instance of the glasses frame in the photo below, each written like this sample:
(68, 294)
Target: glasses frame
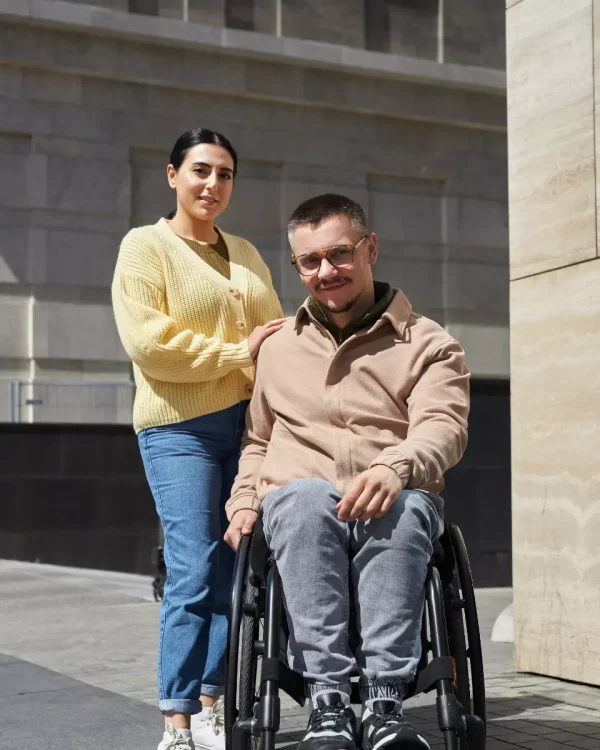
(325, 254)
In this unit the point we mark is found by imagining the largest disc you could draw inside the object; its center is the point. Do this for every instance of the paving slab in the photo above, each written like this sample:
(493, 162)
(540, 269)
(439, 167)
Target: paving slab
(77, 671)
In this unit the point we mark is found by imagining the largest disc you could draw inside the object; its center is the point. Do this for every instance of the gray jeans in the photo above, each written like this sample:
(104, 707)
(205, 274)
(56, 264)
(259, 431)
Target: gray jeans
(384, 560)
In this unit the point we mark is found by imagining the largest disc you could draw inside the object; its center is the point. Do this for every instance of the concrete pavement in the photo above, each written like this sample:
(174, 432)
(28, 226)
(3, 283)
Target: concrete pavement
(77, 671)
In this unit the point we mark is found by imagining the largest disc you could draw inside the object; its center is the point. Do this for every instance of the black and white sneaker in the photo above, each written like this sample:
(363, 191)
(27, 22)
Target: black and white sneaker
(383, 726)
(332, 724)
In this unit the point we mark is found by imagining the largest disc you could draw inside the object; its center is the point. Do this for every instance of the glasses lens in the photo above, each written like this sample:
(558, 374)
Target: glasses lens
(340, 256)
(308, 263)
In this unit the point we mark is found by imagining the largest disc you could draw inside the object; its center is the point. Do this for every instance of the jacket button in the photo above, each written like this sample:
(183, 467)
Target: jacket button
(239, 324)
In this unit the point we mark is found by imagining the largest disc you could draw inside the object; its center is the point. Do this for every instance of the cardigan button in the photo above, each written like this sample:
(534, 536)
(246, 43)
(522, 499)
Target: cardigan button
(235, 293)
(239, 324)
(248, 389)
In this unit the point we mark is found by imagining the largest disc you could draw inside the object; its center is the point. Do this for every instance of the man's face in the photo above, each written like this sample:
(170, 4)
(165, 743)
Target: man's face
(337, 289)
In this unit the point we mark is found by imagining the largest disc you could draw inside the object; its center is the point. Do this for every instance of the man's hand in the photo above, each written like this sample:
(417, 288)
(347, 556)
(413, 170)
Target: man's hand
(371, 496)
(241, 524)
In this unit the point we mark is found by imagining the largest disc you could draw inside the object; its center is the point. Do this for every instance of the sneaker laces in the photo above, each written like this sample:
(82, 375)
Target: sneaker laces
(176, 740)
(329, 717)
(217, 720)
(378, 721)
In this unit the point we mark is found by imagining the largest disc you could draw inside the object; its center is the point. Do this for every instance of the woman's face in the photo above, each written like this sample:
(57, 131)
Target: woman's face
(203, 182)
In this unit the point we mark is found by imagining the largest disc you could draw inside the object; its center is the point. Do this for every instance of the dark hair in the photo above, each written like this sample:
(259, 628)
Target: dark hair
(322, 207)
(194, 137)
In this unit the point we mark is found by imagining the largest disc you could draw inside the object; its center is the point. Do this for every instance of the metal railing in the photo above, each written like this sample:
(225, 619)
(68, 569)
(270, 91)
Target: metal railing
(75, 402)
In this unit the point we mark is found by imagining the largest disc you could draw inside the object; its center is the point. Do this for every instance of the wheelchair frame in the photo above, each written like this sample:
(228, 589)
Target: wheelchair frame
(449, 634)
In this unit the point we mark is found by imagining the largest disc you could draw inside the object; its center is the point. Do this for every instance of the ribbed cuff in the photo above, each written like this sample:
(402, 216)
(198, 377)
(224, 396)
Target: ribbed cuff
(241, 502)
(314, 689)
(399, 465)
(371, 690)
(237, 354)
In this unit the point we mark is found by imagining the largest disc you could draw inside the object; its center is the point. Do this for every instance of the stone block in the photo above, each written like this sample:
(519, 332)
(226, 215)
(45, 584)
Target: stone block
(22, 251)
(170, 9)
(49, 86)
(421, 281)
(14, 332)
(474, 33)
(89, 185)
(85, 123)
(11, 81)
(151, 196)
(75, 325)
(474, 222)
(13, 255)
(208, 12)
(405, 217)
(335, 21)
(555, 345)
(144, 7)
(79, 149)
(81, 258)
(409, 29)
(487, 348)
(255, 205)
(295, 193)
(114, 95)
(483, 175)
(477, 287)
(27, 186)
(121, 5)
(265, 16)
(282, 81)
(73, 221)
(413, 29)
(551, 143)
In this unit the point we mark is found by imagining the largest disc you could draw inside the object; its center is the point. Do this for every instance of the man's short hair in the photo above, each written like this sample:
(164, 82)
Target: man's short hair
(315, 211)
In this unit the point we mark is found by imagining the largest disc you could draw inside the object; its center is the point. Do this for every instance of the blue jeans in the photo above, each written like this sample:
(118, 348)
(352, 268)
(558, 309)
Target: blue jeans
(190, 467)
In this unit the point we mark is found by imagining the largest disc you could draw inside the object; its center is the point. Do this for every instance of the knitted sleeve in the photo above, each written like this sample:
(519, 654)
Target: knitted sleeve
(153, 339)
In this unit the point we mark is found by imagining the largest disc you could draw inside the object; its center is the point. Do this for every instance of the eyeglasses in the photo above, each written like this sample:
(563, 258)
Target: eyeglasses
(340, 256)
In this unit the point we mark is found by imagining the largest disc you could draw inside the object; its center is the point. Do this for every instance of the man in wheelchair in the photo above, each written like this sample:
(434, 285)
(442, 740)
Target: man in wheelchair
(359, 408)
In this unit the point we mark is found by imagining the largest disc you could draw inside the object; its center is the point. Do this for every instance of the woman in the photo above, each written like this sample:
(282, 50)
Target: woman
(193, 306)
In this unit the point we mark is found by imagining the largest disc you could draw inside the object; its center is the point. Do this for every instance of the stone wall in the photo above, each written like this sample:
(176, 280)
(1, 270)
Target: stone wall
(553, 96)
(470, 32)
(91, 102)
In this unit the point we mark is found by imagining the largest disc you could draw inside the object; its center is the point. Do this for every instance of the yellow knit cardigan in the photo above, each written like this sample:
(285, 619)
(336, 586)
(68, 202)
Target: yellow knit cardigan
(185, 326)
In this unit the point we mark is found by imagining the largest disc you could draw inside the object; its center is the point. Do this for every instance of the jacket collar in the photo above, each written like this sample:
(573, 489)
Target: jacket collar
(398, 313)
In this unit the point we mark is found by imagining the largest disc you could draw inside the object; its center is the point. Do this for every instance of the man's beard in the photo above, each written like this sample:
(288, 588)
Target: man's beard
(343, 307)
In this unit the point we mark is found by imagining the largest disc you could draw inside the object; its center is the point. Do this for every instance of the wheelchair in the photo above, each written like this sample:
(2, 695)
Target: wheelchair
(256, 667)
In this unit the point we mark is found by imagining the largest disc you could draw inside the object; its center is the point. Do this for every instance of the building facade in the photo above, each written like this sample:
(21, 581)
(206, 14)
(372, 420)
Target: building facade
(400, 104)
(554, 98)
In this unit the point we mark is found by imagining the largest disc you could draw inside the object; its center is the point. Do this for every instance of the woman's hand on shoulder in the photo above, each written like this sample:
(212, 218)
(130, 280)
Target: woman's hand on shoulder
(260, 333)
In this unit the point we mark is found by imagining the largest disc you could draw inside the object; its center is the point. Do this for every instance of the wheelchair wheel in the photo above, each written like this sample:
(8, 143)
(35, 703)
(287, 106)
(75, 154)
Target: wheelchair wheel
(457, 643)
(464, 622)
(239, 694)
(247, 662)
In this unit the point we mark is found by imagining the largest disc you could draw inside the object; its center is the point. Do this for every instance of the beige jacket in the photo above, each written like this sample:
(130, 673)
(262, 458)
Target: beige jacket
(395, 394)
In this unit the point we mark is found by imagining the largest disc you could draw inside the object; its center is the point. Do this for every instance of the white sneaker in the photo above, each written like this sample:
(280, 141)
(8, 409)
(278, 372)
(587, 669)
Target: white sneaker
(174, 740)
(208, 728)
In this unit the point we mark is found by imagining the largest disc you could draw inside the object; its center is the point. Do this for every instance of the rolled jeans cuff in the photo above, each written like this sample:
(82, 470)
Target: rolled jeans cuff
(180, 706)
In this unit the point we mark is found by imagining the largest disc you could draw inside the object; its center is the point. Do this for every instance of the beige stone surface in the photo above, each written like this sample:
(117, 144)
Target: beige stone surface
(555, 365)
(551, 135)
